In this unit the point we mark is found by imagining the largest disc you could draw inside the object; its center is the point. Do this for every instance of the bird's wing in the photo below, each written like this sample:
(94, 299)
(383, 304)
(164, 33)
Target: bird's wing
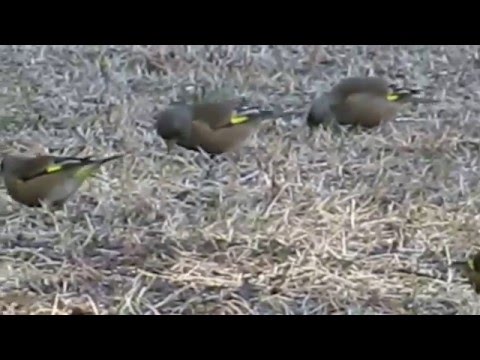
(215, 115)
(365, 109)
(250, 113)
(43, 165)
(220, 140)
(81, 167)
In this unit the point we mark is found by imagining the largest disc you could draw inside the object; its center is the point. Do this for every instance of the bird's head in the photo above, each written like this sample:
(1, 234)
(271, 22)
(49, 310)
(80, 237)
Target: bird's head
(321, 111)
(174, 123)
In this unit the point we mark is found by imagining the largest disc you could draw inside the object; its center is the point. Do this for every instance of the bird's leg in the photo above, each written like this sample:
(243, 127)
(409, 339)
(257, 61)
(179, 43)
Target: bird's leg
(237, 173)
(210, 167)
(210, 158)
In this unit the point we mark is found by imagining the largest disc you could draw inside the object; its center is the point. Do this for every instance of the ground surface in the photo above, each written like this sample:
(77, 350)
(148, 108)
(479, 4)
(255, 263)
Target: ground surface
(362, 223)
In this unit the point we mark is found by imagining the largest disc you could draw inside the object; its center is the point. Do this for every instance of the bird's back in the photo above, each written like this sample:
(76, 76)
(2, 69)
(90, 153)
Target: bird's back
(24, 166)
(355, 85)
(215, 115)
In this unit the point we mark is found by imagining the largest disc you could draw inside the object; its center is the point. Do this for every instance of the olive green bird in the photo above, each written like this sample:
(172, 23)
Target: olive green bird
(214, 127)
(44, 178)
(471, 270)
(360, 101)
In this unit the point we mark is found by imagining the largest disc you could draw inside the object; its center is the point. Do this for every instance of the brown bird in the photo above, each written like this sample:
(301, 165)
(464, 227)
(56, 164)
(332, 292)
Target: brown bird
(45, 178)
(360, 101)
(214, 127)
(471, 270)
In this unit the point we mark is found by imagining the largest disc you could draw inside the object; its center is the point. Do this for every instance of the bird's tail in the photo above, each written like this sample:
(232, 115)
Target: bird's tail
(247, 114)
(90, 166)
(254, 114)
(110, 158)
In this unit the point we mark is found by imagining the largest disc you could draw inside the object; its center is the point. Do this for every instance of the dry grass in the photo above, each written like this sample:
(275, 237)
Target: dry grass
(360, 223)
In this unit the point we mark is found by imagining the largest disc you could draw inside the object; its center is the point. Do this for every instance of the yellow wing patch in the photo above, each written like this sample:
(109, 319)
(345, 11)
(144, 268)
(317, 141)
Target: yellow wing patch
(235, 120)
(53, 168)
(393, 97)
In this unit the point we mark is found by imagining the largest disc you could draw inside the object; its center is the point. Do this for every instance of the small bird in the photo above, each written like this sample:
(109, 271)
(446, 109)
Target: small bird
(471, 269)
(214, 127)
(31, 180)
(361, 101)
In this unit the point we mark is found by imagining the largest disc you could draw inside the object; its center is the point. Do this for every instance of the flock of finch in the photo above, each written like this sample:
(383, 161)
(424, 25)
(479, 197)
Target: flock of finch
(215, 128)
